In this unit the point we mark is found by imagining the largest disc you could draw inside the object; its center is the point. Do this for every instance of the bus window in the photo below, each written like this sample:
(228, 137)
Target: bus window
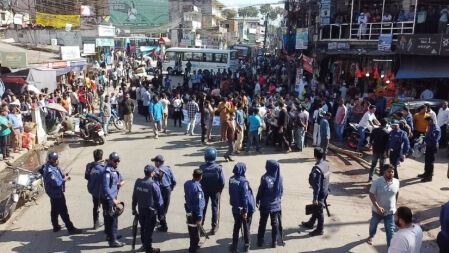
(208, 57)
(224, 59)
(171, 56)
(233, 55)
(187, 56)
(218, 57)
(197, 57)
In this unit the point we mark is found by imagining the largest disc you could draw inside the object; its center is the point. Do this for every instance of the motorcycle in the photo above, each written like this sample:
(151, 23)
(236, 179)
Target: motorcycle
(27, 186)
(116, 121)
(90, 129)
(354, 136)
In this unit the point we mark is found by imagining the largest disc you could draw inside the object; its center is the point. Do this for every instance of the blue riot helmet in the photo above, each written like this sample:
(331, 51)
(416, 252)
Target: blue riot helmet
(53, 156)
(114, 157)
(210, 154)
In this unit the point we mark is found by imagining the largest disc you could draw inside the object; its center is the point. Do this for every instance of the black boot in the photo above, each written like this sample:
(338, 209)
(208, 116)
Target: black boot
(74, 231)
(56, 228)
(259, 242)
(116, 244)
(308, 224)
(233, 248)
(316, 232)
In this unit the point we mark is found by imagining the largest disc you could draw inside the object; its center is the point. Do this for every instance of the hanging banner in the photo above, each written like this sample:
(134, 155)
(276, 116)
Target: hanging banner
(59, 21)
(302, 38)
(445, 45)
(307, 64)
(385, 41)
(70, 52)
(139, 14)
(13, 59)
(325, 12)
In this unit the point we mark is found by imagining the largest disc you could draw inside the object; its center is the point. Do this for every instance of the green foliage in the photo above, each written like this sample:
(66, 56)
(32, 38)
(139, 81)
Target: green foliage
(249, 11)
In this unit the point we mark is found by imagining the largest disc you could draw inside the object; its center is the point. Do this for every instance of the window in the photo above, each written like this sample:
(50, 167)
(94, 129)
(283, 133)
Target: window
(197, 57)
(187, 56)
(171, 56)
(233, 55)
(218, 57)
(208, 57)
(224, 59)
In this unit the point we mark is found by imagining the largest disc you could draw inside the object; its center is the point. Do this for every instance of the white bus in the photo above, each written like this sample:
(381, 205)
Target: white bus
(204, 59)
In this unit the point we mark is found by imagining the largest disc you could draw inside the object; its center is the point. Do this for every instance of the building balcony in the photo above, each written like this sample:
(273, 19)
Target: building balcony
(365, 32)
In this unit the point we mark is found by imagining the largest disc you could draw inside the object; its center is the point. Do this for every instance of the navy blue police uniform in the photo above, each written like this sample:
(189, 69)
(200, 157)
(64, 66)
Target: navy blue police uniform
(148, 200)
(269, 199)
(54, 183)
(111, 180)
(242, 202)
(167, 182)
(94, 176)
(398, 145)
(319, 181)
(194, 197)
(431, 140)
(212, 184)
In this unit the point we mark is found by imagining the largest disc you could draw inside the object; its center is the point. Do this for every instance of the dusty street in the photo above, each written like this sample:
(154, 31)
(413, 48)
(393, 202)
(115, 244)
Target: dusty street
(345, 231)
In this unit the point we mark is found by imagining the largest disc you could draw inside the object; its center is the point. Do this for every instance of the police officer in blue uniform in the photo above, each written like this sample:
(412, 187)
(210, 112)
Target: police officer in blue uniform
(431, 141)
(398, 146)
(194, 197)
(94, 176)
(54, 182)
(212, 184)
(243, 205)
(148, 200)
(319, 181)
(269, 201)
(166, 180)
(112, 181)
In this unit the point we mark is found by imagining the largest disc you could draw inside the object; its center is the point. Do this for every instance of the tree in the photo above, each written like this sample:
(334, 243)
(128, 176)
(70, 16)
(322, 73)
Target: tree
(249, 11)
(229, 13)
(270, 12)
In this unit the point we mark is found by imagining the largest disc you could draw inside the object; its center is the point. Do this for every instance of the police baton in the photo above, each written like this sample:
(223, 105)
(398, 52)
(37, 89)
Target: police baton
(134, 229)
(327, 207)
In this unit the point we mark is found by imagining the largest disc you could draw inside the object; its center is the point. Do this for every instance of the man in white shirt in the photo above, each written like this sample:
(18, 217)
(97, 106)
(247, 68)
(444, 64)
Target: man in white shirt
(366, 121)
(408, 238)
(384, 193)
(431, 113)
(443, 122)
(164, 101)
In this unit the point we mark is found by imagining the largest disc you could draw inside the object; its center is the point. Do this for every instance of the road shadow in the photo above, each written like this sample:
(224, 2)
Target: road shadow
(344, 248)
(296, 160)
(409, 181)
(356, 189)
(428, 219)
(356, 172)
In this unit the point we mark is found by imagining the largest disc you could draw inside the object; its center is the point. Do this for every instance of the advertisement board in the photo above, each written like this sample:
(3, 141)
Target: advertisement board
(13, 59)
(56, 20)
(385, 41)
(70, 52)
(138, 14)
(104, 42)
(302, 38)
(106, 31)
(88, 48)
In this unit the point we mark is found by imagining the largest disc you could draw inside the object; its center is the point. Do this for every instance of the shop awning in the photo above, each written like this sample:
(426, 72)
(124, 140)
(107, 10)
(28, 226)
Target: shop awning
(423, 67)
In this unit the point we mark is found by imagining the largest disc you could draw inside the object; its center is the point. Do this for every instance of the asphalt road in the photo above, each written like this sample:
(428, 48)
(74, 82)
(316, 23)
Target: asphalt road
(345, 231)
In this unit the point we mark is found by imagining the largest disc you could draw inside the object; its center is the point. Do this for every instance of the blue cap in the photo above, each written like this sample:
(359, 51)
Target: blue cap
(149, 168)
(114, 157)
(53, 156)
(158, 158)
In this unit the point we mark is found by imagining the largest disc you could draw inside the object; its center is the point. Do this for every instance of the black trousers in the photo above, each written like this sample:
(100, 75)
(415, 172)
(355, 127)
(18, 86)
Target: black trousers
(166, 195)
(239, 222)
(443, 140)
(59, 208)
(395, 157)
(177, 117)
(319, 215)
(110, 222)
(95, 210)
(194, 234)
(443, 243)
(203, 132)
(215, 204)
(147, 220)
(6, 143)
(429, 159)
(274, 217)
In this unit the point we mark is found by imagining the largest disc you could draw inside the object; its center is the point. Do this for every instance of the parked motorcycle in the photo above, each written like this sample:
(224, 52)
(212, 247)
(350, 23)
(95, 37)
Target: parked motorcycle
(354, 136)
(116, 121)
(26, 186)
(90, 129)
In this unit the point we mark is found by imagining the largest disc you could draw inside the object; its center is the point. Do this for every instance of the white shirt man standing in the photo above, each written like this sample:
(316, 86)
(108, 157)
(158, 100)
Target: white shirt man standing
(443, 122)
(408, 238)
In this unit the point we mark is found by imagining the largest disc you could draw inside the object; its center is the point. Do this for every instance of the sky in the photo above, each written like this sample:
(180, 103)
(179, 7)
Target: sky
(244, 3)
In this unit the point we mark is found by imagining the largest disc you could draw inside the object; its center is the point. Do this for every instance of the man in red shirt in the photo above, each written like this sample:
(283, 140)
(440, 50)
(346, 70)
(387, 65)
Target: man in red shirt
(82, 99)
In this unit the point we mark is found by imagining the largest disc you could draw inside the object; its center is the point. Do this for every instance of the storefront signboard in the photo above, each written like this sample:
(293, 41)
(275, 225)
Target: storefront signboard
(57, 21)
(70, 52)
(104, 42)
(139, 14)
(13, 59)
(420, 44)
(302, 38)
(445, 45)
(106, 31)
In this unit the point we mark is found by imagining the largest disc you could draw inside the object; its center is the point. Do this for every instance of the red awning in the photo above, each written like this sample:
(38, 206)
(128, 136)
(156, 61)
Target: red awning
(17, 80)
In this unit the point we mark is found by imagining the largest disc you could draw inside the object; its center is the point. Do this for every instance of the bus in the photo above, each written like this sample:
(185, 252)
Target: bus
(244, 52)
(204, 59)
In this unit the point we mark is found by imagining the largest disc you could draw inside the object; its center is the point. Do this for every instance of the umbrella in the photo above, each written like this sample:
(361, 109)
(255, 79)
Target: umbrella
(57, 107)
(34, 89)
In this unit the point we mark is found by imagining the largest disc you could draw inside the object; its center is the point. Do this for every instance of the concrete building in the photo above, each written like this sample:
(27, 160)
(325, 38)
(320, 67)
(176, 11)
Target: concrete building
(247, 30)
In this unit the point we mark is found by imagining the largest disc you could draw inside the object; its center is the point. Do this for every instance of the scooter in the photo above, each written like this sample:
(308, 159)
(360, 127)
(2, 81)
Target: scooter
(354, 136)
(90, 129)
(26, 186)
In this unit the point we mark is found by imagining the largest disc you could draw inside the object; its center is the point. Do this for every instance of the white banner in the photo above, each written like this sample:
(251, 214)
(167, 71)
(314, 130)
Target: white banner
(198, 119)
